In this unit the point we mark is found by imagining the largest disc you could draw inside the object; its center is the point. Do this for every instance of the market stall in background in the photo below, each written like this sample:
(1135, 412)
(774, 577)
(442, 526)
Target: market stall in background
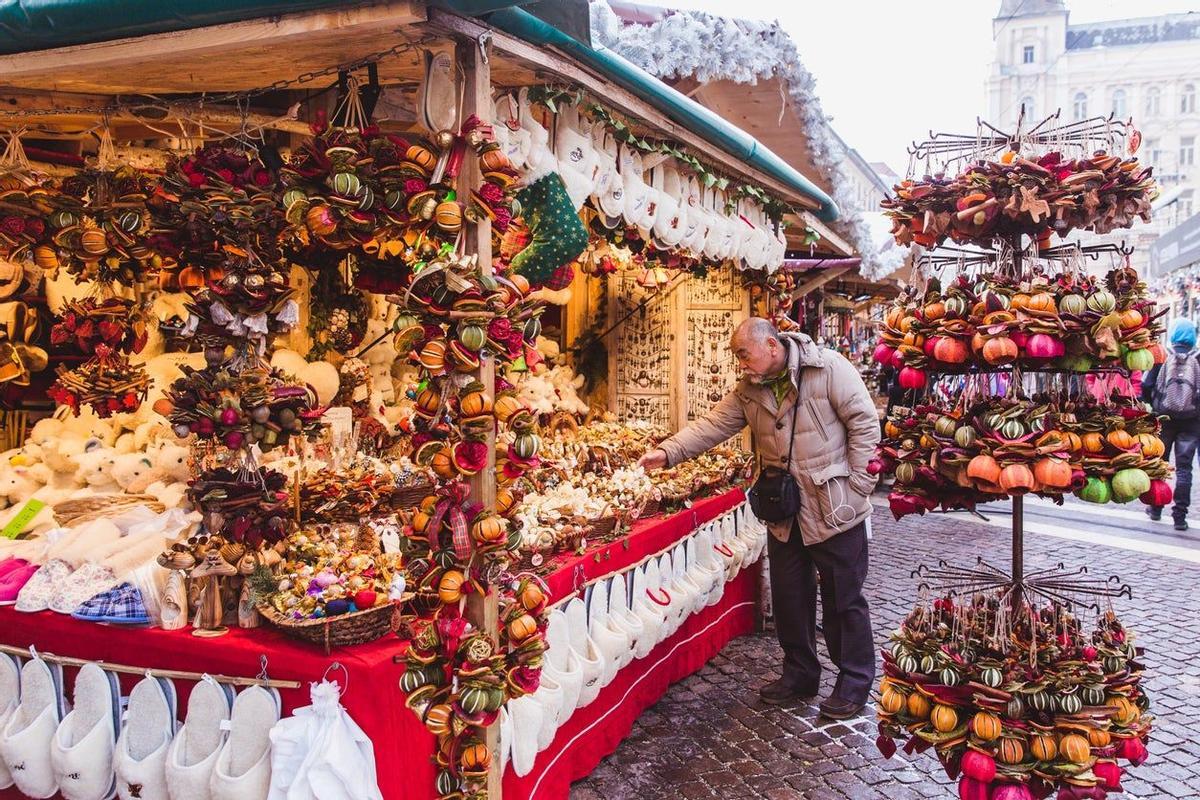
(336, 367)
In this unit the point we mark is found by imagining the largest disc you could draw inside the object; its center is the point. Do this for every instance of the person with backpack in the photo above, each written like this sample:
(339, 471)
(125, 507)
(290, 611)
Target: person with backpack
(1172, 390)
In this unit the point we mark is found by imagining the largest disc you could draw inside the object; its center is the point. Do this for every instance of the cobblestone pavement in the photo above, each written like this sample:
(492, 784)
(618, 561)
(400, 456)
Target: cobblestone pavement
(711, 736)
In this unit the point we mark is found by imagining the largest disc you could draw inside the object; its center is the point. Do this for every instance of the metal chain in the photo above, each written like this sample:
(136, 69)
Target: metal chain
(299, 80)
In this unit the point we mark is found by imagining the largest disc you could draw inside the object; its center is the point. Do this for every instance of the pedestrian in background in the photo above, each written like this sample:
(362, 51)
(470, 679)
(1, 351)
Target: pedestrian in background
(1173, 391)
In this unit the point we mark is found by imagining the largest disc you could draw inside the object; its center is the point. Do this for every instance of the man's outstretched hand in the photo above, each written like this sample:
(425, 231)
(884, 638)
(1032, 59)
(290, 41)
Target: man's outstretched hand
(653, 459)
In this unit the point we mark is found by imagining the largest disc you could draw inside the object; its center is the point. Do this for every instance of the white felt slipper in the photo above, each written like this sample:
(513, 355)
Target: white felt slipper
(10, 697)
(612, 642)
(141, 755)
(549, 696)
(658, 594)
(194, 750)
(621, 616)
(82, 749)
(565, 664)
(648, 611)
(25, 740)
(526, 716)
(243, 769)
(591, 658)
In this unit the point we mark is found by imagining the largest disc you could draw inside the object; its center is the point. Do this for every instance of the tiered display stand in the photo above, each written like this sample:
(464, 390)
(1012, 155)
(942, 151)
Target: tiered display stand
(1000, 670)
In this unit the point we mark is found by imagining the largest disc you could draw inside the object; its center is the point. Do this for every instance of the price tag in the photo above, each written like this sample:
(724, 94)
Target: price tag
(23, 518)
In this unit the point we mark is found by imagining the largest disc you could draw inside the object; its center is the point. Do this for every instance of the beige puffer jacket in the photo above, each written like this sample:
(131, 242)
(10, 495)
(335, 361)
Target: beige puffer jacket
(836, 435)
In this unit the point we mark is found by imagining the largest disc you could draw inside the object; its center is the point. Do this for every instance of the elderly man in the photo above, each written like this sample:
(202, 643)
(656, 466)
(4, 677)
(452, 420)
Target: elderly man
(811, 403)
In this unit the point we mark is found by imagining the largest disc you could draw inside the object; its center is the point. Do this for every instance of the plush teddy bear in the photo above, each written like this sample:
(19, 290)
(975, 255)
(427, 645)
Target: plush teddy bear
(17, 484)
(129, 469)
(167, 480)
(163, 369)
(164, 307)
(95, 472)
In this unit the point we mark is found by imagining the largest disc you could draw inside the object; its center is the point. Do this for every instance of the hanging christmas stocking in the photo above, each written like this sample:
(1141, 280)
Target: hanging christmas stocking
(557, 235)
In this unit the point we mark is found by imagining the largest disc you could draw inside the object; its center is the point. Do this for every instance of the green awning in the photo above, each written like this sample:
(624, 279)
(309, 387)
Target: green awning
(27, 25)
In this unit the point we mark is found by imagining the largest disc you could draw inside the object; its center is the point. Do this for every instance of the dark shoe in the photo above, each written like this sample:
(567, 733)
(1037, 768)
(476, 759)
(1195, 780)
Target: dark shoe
(835, 707)
(1154, 512)
(782, 691)
(1181, 524)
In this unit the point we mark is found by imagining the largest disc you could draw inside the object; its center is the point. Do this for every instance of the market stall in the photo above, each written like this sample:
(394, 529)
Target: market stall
(1022, 681)
(353, 367)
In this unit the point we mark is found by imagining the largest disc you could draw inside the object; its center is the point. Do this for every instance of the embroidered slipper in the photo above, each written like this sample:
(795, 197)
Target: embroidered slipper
(14, 581)
(606, 163)
(37, 592)
(540, 161)
(621, 616)
(141, 753)
(514, 140)
(696, 226)
(10, 698)
(637, 193)
(243, 768)
(564, 664)
(610, 202)
(87, 581)
(25, 740)
(591, 659)
(658, 594)
(648, 611)
(120, 605)
(82, 749)
(670, 222)
(526, 714)
(195, 748)
(576, 157)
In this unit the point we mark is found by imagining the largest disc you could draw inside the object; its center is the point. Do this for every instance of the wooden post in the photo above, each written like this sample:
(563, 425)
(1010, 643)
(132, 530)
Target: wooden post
(483, 612)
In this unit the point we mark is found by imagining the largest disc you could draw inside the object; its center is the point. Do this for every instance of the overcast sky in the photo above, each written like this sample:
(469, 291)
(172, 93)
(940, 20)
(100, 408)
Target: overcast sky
(888, 72)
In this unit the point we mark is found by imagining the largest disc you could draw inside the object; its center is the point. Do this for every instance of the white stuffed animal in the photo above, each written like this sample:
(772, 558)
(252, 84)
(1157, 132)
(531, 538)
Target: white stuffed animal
(95, 471)
(17, 484)
(129, 468)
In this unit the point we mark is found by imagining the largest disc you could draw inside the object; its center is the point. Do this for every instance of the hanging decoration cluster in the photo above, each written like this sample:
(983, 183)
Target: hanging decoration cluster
(1015, 706)
(1071, 322)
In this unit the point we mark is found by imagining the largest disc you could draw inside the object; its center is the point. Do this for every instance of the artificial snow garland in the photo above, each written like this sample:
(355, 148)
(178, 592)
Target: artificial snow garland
(708, 47)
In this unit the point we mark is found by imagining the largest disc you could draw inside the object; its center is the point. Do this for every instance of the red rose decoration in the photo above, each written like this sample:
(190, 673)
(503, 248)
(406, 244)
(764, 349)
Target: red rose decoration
(13, 226)
(491, 194)
(262, 178)
(503, 218)
(225, 175)
(500, 329)
(415, 186)
(35, 228)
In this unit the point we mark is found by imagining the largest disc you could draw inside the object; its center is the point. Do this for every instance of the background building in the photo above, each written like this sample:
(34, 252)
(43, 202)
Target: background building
(1146, 68)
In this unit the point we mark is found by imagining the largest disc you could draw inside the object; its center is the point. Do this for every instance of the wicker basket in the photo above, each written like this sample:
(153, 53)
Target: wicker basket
(409, 496)
(86, 509)
(601, 527)
(358, 627)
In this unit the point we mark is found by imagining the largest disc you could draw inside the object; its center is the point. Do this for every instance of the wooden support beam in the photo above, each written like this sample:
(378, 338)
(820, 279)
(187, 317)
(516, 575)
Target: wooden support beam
(231, 56)
(830, 239)
(482, 611)
(555, 65)
(816, 282)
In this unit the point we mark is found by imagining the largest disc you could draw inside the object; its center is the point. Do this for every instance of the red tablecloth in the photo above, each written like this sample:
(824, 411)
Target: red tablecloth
(372, 696)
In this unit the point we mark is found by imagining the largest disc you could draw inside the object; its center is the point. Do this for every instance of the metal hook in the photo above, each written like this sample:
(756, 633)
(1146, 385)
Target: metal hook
(342, 688)
(262, 669)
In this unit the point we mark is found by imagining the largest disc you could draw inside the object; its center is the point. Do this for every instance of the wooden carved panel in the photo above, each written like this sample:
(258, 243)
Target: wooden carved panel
(711, 371)
(652, 408)
(644, 340)
(720, 288)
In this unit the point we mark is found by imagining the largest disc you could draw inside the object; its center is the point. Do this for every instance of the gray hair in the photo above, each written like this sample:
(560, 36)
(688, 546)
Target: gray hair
(755, 330)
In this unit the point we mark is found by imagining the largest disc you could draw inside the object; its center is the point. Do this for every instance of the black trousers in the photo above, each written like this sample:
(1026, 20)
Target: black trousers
(841, 562)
